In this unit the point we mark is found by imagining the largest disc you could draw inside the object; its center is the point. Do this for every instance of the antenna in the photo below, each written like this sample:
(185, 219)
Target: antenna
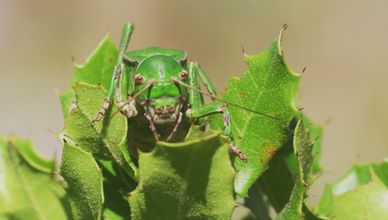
(177, 81)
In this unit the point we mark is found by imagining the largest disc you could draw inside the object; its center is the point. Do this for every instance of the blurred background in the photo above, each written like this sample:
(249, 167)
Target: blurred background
(343, 44)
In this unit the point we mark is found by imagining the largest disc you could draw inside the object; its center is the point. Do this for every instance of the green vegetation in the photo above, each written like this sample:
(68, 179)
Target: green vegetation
(106, 174)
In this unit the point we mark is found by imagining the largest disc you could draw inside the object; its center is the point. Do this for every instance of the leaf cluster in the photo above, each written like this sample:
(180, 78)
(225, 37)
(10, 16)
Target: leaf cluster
(106, 174)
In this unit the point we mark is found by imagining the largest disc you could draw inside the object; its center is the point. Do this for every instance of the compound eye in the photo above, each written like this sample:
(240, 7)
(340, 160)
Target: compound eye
(183, 74)
(139, 79)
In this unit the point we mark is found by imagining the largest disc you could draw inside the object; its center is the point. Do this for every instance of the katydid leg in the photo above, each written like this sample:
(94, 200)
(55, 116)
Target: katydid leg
(215, 108)
(127, 105)
(205, 80)
(198, 110)
(152, 126)
(178, 122)
(198, 71)
(195, 74)
(118, 70)
(195, 98)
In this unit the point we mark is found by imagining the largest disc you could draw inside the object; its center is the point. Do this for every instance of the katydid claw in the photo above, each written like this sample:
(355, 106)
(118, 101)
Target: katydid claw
(237, 151)
(104, 108)
(97, 118)
(128, 108)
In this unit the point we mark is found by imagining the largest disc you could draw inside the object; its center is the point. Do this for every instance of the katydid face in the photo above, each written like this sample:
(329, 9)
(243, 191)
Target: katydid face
(164, 100)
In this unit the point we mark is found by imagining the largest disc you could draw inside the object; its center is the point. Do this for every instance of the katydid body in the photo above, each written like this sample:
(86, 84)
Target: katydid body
(164, 87)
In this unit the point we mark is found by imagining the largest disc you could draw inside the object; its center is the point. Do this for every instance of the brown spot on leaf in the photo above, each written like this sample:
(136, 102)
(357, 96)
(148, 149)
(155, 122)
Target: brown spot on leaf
(272, 152)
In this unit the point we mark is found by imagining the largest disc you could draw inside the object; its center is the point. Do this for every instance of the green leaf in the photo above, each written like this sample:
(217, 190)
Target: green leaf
(303, 151)
(98, 68)
(287, 153)
(27, 151)
(258, 203)
(277, 181)
(116, 190)
(315, 132)
(309, 215)
(84, 182)
(186, 180)
(361, 194)
(67, 101)
(80, 129)
(105, 140)
(381, 170)
(28, 189)
(268, 86)
(89, 100)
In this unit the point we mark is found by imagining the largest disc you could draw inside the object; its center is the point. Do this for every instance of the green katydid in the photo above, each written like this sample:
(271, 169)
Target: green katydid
(162, 85)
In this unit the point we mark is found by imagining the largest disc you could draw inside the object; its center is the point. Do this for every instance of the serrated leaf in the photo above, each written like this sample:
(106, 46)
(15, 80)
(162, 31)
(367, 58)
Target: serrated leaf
(268, 86)
(258, 203)
(84, 183)
(67, 100)
(315, 133)
(80, 129)
(97, 73)
(103, 141)
(89, 100)
(98, 68)
(116, 189)
(303, 151)
(186, 180)
(277, 181)
(360, 194)
(381, 170)
(309, 215)
(27, 151)
(28, 189)
(106, 140)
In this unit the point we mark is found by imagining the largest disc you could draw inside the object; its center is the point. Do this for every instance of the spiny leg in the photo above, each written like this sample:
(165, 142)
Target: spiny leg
(118, 70)
(127, 105)
(152, 126)
(195, 98)
(205, 80)
(178, 122)
(195, 95)
(199, 110)
(228, 132)
(195, 74)
(215, 108)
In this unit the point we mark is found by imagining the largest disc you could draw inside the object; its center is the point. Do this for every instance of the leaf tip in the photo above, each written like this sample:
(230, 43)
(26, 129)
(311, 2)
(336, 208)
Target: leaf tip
(280, 39)
(243, 51)
(243, 181)
(304, 70)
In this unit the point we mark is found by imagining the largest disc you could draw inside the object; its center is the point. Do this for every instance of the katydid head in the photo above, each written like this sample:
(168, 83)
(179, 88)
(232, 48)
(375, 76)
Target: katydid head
(163, 100)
